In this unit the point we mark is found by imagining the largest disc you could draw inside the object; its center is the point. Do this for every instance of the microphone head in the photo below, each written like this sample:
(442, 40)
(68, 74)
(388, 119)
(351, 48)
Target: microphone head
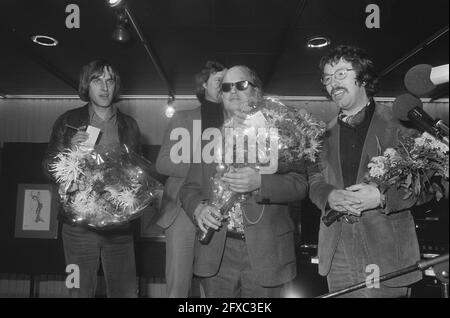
(403, 104)
(417, 80)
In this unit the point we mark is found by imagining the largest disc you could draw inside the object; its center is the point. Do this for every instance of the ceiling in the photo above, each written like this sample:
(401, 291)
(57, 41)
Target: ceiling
(266, 35)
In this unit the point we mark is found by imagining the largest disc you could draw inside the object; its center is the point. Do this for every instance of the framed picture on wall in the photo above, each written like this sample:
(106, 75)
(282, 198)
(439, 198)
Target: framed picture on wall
(148, 228)
(36, 211)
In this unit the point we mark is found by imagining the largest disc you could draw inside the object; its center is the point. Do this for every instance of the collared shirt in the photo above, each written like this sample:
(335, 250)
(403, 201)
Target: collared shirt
(109, 134)
(353, 131)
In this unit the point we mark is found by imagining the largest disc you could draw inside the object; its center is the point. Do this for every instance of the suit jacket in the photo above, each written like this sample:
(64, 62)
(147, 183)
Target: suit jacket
(170, 205)
(389, 233)
(267, 224)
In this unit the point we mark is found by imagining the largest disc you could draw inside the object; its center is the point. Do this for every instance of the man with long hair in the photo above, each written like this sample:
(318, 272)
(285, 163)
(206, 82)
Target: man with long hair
(99, 86)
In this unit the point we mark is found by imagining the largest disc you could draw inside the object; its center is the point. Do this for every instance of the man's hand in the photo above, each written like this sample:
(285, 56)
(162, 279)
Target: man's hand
(243, 180)
(368, 194)
(344, 201)
(78, 138)
(207, 216)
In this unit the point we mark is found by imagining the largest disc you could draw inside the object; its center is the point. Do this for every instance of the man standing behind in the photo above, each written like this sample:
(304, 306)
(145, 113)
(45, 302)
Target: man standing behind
(179, 229)
(99, 86)
(252, 254)
(378, 229)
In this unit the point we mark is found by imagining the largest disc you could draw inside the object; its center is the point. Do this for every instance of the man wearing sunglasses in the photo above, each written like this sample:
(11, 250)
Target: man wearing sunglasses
(252, 252)
(179, 229)
(377, 229)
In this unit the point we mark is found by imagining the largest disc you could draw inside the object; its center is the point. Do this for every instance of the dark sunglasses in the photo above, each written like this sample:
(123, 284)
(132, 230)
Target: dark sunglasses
(240, 86)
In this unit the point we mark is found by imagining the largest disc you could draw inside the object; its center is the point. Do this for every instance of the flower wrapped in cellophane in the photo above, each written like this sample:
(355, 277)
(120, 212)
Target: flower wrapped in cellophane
(296, 135)
(104, 187)
(419, 165)
(271, 132)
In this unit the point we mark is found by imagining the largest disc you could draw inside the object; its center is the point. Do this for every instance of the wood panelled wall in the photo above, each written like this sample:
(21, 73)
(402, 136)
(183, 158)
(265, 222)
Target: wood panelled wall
(31, 120)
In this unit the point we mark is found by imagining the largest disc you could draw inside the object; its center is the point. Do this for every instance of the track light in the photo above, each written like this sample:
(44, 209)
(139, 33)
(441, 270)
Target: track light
(120, 33)
(115, 3)
(170, 110)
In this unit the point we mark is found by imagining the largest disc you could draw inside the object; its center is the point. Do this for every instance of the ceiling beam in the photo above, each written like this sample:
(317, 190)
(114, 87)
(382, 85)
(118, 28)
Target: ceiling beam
(422, 45)
(286, 39)
(150, 52)
(26, 49)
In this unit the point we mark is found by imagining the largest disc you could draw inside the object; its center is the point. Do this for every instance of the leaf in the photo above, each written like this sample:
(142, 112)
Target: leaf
(379, 151)
(408, 180)
(417, 186)
(407, 195)
(392, 180)
(439, 195)
(438, 191)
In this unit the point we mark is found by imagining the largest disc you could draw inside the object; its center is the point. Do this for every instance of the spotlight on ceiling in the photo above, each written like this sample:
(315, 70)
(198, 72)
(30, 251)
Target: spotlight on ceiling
(115, 3)
(170, 110)
(317, 42)
(120, 33)
(44, 40)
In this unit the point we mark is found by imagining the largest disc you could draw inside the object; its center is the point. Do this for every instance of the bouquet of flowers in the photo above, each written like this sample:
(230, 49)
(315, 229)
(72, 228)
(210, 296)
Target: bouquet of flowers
(419, 165)
(296, 136)
(104, 187)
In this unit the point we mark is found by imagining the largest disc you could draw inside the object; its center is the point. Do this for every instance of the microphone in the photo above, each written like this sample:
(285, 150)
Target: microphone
(423, 78)
(407, 107)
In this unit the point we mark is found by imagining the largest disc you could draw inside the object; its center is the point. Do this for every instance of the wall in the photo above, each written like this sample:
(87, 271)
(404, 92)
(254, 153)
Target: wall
(31, 120)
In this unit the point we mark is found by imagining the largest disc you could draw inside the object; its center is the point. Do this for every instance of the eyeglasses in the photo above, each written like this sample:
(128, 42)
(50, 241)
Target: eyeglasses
(340, 74)
(240, 86)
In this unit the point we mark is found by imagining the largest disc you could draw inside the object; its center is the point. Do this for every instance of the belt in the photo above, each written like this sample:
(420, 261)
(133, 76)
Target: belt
(236, 235)
(350, 219)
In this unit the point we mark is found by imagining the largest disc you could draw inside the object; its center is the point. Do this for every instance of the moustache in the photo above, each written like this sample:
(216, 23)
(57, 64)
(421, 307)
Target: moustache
(336, 89)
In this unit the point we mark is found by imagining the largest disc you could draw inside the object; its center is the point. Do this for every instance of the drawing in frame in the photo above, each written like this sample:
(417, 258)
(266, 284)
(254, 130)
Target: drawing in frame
(36, 211)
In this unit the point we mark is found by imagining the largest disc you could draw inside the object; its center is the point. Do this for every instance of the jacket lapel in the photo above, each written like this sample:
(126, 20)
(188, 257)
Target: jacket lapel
(379, 129)
(334, 175)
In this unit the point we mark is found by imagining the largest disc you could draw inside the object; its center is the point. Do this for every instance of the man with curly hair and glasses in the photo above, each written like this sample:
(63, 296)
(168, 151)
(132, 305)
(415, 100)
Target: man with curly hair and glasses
(375, 230)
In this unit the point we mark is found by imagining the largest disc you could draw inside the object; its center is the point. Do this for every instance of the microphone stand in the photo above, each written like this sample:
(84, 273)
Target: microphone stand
(440, 267)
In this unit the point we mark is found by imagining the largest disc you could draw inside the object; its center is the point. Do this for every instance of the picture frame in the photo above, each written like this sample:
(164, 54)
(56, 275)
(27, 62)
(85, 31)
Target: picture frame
(148, 229)
(36, 211)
